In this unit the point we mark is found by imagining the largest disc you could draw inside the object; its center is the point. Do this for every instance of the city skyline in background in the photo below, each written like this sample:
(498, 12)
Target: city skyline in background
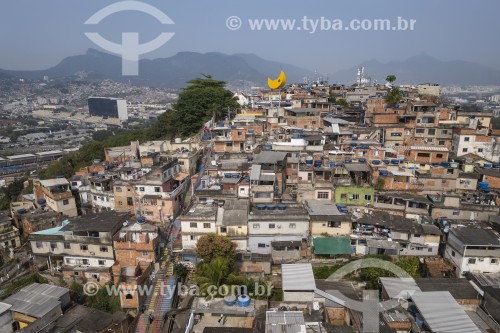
(42, 36)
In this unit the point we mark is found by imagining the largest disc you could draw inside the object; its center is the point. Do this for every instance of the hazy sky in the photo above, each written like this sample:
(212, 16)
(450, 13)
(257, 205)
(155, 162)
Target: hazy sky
(37, 34)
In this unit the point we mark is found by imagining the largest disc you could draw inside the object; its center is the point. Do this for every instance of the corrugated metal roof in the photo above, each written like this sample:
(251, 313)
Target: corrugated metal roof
(442, 313)
(399, 287)
(36, 300)
(255, 174)
(401, 173)
(54, 182)
(285, 322)
(332, 245)
(297, 277)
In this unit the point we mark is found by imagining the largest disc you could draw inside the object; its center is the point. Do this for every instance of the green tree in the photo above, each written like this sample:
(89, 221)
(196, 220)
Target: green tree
(213, 273)
(411, 265)
(211, 246)
(390, 78)
(201, 100)
(102, 135)
(394, 96)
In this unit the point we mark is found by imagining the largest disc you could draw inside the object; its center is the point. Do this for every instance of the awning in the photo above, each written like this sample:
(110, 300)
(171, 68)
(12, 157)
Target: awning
(402, 173)
(332, 245)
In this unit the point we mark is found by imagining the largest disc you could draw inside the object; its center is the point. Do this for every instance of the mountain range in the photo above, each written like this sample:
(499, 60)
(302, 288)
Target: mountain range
(248, 69)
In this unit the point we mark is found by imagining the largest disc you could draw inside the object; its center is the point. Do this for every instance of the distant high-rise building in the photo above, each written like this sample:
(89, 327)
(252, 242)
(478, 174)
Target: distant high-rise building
(108, 107)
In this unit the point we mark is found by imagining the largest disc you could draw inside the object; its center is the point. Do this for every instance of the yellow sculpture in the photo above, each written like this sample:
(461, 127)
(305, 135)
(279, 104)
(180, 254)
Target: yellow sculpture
(277, 83)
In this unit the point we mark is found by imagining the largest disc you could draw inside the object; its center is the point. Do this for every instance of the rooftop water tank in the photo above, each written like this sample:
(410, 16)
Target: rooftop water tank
(496, 165)
(317, 163)
(332, 164)
(446, 164)
(362, 160)
(141, 219)
(383, 173)
(309, 160)
(271, 207)
(386, 161)
(347, 161)
(281, 206)
(487, 165)
(375, 162)
(261, 206)
(41, 201)
(22, 211)
(395, 162)
(483, 185)
(243, 300)
(230, 300)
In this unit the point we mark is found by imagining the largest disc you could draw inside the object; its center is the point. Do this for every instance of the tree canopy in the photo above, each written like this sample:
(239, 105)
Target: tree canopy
(212, 246)
(201, 100)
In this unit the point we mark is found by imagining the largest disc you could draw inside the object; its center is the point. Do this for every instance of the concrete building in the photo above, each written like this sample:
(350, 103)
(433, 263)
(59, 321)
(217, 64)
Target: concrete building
(473, 250)
(57, 195)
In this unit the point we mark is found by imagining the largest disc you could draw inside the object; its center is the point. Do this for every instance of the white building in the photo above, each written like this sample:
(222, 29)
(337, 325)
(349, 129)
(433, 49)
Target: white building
(473, 250)
(431, 89)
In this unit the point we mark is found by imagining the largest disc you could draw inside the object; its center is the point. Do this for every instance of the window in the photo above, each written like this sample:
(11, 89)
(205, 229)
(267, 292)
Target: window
(368, 197)
(193, 225)
(95, 197)
(223, 230)
(355, 197)
(206, 225)
(334, 224)
(129, 296)
(420, 131)
(103, 249)
(292, 226)
(53, 245)
(423, 155)
(466, 139)
(145, 253)
(431, 131)
(84, 247)
(429, 249)
(416, 235)
(100, 262)
(480, 150)
(456, 213)
(471, 261)
(494, 261)
(313, 122)
(75, 273)
(256, 226)
(240, 133)
(141, 189)
(343, 196)
(192, 237)
(67, 245)
(120, 202)
(441, 143)
(439, 155)
(229, 144)
(272, 225)
(452, 253)
(323, 195)
(261, 245)
(130, 202)
(157, 189)
(95, 276)
(65, 202)
(118, 189)
(464, 150)
(85, 261)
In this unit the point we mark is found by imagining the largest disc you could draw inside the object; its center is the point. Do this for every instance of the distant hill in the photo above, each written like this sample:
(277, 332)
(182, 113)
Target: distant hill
(172, 72)
(424, 68)
(249, 69)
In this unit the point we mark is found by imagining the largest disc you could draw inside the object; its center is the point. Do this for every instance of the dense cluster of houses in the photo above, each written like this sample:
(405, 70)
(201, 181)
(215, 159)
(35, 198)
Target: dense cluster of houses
(293, 179)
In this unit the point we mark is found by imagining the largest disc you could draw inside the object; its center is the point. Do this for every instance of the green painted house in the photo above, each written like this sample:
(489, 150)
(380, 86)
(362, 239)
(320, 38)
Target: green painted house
(354, 195)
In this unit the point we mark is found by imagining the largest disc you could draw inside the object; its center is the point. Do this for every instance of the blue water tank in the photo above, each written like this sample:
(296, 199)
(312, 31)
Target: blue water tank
(362, 160)
(60, 176)
(317, 163)
(486, 190)
(41, 201)
(446, 164)
(295, 135)
(375, 162)
(271, 207)
(487, 165)
(247, 179)
(395, 162)
(353, 144)
(243, 300)
(235, 175)
(496, 165)
(22, 211)
(347, 161)
(230, 300)
(483, 185)
(281, 206)
(227, 175)
(141, 219)
(383, 173)
(309, 160)
(261, 206)
(332, 164)
(387, 161)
